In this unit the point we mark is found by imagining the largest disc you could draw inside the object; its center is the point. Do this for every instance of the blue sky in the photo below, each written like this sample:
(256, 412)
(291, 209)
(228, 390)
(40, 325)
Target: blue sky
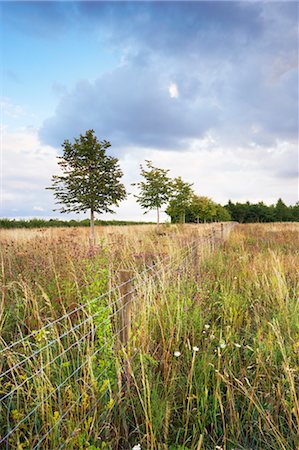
(206, 89)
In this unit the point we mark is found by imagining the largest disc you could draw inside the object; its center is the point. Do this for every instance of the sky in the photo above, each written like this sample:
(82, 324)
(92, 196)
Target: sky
(206, 89)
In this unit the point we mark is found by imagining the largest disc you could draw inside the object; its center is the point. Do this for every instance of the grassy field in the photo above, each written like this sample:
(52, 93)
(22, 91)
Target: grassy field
(212, 358)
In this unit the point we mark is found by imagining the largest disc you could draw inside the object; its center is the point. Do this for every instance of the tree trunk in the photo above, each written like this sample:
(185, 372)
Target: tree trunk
(158, 218)
(91, 237)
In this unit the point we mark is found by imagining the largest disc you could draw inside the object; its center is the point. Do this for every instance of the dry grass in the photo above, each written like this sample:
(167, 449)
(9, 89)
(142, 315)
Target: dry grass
(231, 314)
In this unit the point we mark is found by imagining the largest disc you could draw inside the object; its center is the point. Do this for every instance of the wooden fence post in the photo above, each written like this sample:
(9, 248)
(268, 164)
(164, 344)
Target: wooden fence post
(222, 231)
(214, 238)
(211, 239)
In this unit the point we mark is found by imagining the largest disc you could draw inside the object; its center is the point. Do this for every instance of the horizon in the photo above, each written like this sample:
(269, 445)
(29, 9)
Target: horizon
(208, 90)
(83, 217)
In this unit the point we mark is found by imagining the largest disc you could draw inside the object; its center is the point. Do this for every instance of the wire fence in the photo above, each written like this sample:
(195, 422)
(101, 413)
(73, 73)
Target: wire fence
(35, 409)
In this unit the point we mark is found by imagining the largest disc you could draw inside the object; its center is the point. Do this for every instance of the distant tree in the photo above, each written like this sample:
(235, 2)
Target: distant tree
(182, 193)
(265, 213)
(259, 212)
(282, 212)
(155, 190)
(202, 208)
(295, 212)
(222, 215)
(238, 211)
(90, 180)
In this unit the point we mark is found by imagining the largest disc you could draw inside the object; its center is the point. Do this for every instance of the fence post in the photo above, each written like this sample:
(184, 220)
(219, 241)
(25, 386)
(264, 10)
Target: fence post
(222, 231)
(214, 237)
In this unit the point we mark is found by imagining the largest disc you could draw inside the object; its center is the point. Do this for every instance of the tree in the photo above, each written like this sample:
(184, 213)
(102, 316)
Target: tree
(282, 212)
(90, 180)
(155, 190)
(222, 215)
(180, 200)
(202, 208)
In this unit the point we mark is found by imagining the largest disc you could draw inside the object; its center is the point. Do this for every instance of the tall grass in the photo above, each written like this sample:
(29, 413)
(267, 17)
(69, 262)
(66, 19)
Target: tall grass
(212, 360)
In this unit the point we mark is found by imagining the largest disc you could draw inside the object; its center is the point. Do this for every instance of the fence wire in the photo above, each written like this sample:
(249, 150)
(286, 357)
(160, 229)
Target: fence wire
(171, 260)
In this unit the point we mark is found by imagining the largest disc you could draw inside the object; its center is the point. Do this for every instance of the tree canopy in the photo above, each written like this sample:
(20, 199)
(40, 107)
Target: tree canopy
(91, 178)
(259, 212)
(155, 188)
(181, 197)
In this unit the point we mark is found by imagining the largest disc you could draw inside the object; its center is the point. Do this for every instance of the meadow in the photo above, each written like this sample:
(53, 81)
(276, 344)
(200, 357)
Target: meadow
(208, 359)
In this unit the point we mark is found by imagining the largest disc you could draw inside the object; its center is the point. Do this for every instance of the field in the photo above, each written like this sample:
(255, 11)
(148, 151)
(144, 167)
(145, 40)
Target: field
(206, 357)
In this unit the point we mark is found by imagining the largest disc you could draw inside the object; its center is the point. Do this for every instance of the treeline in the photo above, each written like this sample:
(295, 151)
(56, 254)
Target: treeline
(203, 209)
(259, 212)
(199, 209)
(53, 223)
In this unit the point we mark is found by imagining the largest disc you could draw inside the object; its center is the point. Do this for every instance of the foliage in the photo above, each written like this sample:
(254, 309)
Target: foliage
(56, 223)
(91, 179)
(180, 199)
(259, 212)
(222, 215)
(202, 208)
(156, 188)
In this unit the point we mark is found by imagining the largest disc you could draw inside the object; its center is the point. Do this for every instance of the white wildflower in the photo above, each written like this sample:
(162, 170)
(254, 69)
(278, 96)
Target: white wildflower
(207, 326)
(176, 354)
(212, 337)
(218, 447)
(222, 344)
(137, 447)
(237, 345)
(195, 349)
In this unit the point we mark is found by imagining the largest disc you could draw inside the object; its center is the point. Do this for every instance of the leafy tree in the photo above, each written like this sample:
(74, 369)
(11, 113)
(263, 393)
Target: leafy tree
(202, 208)
(181, 199)
(90, 180)
(282, 212)
(222, 215)
(155, 190)
(295, 212)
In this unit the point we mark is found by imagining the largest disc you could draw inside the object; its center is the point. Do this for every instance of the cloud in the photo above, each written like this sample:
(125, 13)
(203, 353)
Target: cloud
(173, 90)
(232, 70)
(211, 93)
(130, 108)
(11, 110)
(27, 168)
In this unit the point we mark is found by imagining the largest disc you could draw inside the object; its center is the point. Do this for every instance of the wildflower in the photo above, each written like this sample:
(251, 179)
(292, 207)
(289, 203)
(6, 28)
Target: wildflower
(203, 332)
(222, 344)
(110, 404)
(207, 326)
(56, 416)
(137, 447)
(176, 354)
(218, 447)
(195, 349)
(212, 337)
(235, 278)
(237, 345)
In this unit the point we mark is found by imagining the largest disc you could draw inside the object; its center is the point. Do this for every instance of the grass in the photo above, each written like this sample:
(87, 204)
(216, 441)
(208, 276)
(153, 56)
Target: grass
(213, 354)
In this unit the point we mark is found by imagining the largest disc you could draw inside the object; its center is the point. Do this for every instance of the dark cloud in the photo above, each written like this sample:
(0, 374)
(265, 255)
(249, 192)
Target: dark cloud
(234, 64)
(129, 107)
